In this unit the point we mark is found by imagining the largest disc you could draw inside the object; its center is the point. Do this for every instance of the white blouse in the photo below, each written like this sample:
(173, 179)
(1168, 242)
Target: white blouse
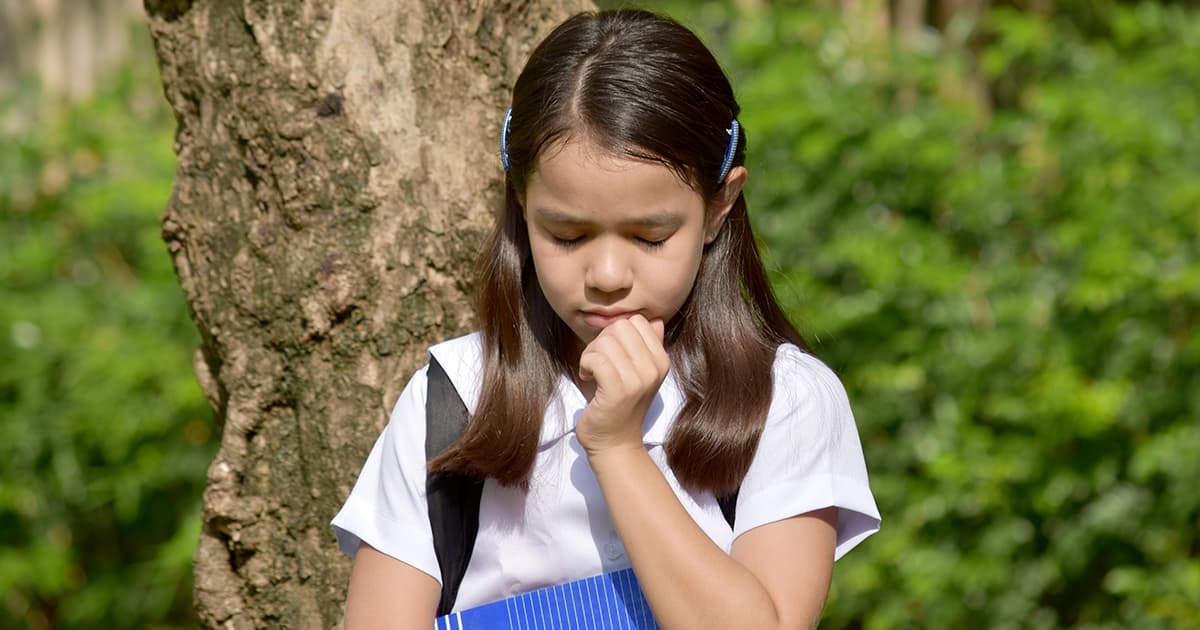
(809, 457)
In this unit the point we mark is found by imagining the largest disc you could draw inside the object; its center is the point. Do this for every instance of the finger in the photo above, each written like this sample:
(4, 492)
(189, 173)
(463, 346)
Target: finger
(639, 364)
(587, 359)
(651, 333)
(585, 372)
(607, 360)
(591, 364)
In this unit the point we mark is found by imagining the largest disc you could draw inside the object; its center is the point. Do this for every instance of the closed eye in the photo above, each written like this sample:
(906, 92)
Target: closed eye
(652, 243)
(567, 243)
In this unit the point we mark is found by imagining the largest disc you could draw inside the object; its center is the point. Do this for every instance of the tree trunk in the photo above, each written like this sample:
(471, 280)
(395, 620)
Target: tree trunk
(337, 169)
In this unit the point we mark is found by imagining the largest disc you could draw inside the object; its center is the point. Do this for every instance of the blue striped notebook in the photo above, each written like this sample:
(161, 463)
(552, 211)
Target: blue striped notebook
(612, 600)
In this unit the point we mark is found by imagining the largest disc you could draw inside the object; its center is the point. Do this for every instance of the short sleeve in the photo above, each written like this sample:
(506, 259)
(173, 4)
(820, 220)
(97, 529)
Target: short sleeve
(809, 456)
(387, 508)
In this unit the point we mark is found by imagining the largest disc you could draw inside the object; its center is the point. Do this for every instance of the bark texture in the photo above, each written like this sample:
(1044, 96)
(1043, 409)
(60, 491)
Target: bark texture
(337, 170)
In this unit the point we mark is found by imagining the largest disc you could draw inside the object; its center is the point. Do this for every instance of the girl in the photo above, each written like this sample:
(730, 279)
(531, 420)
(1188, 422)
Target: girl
(633, 368)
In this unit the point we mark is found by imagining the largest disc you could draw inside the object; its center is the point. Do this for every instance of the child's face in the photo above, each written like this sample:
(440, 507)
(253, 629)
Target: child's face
(613, 236)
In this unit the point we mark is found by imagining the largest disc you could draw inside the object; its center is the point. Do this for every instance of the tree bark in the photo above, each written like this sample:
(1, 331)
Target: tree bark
(337, 170)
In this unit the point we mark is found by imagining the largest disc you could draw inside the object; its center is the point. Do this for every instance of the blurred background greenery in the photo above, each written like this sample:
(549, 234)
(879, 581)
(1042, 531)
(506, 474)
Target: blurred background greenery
(985, 218)
(104, 435)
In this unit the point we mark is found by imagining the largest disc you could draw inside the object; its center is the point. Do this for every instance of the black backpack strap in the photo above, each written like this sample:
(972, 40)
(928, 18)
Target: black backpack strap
(453, 498)
(445, 413)
(728, 505)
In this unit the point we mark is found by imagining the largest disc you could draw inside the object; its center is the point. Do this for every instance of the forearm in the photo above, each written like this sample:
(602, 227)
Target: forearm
(688, 580)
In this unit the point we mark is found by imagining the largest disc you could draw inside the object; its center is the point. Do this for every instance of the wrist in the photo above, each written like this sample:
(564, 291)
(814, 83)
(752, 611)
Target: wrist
(603, 432)
(614, 456)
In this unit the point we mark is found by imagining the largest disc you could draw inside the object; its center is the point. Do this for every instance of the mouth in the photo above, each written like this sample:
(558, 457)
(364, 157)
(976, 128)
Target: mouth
(603, 319)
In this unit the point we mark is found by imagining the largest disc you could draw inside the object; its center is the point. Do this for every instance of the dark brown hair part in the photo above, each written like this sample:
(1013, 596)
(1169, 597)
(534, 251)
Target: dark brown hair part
(643, 86)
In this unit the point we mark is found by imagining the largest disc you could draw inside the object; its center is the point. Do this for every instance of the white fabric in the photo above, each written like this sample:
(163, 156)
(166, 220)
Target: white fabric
(809, 458)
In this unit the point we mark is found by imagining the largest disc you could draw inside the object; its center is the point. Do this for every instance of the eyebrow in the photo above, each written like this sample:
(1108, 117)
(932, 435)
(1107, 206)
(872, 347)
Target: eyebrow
(656, 218)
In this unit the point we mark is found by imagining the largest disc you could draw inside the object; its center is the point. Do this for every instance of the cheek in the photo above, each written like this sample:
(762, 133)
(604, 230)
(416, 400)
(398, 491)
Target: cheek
(546, 256)
(690, 268)
(540, 252)
(668, 280)
(553, 269)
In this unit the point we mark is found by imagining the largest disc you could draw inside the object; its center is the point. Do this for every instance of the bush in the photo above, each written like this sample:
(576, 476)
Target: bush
(104, 435)
(996, 246)
(994, 240)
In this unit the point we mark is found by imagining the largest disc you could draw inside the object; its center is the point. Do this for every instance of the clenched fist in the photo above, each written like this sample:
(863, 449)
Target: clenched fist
(628, 363)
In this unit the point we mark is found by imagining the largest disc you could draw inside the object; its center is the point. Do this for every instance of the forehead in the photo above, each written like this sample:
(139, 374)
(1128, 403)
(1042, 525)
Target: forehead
(577, 179)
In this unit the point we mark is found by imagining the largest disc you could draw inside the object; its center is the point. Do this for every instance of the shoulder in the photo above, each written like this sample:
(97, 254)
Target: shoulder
(462, 359)
(802, 381)
(809, 455)
(468, 346)
(790, 359)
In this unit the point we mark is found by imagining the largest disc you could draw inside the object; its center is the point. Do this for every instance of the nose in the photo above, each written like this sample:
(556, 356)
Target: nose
(609, 270)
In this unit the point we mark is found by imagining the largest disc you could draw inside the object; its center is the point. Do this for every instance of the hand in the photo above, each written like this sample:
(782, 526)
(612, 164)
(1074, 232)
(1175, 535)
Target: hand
(628, 363)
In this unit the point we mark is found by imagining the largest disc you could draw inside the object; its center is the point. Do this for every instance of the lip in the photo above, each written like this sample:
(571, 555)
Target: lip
(601, 319)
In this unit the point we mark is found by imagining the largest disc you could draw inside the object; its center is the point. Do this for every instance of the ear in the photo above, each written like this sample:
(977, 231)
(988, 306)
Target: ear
(723, 202)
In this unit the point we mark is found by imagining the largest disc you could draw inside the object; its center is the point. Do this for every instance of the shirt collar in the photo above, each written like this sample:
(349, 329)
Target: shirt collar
(462, 358)
(563, 412)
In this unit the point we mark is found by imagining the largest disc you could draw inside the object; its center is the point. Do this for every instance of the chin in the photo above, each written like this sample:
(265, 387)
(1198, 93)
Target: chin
(585, 334)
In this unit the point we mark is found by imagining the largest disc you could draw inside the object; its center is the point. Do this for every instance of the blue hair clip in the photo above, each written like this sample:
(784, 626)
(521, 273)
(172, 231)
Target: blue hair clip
(731, 150)
(504, 139)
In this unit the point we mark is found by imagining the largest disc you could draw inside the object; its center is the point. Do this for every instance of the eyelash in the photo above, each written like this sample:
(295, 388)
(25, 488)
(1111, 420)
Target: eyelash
(569, 243)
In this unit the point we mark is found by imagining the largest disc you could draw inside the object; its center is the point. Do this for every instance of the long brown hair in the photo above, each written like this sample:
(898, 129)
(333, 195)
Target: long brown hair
(640, 85)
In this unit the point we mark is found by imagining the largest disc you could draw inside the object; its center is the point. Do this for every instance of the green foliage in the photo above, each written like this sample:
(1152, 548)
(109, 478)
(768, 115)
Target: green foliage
(996, 247)
(104, 435)
(999, 251)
